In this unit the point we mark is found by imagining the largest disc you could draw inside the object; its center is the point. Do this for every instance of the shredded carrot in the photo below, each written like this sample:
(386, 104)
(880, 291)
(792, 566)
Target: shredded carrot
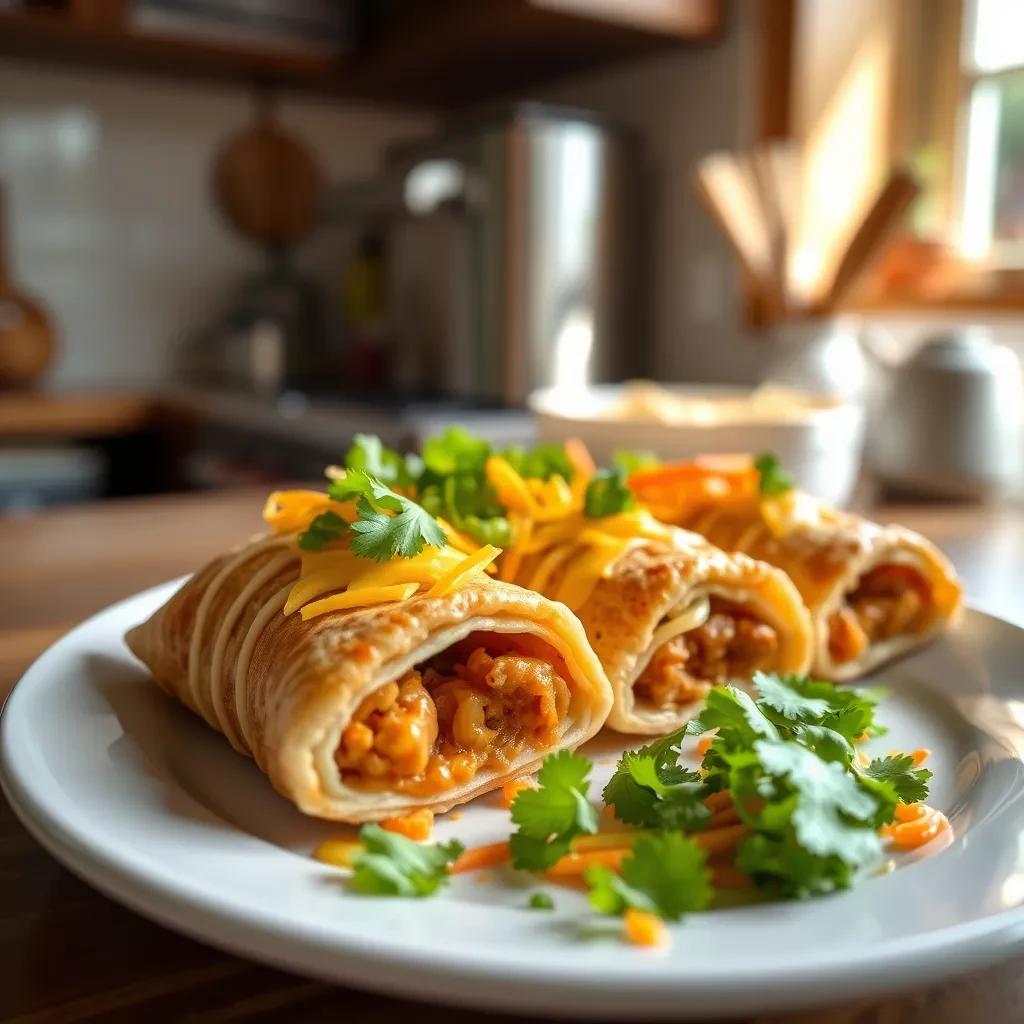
(606, 840)
(704, 744)
(715, 840)
(573, 864)
(580, 459)
(512, 789)
(914, 825)
(478, 857)
(920, 756)
(417, 825)
(341, 853)
(719, 477)
(862, 738)
(908, 812)
(719, 801)
(644, 929)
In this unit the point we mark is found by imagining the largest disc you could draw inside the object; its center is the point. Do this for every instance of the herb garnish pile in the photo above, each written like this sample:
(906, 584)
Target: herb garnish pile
(786, 757)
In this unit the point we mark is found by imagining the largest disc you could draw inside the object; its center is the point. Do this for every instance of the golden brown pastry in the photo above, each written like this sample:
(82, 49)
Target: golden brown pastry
(390, 704)
(873, 591)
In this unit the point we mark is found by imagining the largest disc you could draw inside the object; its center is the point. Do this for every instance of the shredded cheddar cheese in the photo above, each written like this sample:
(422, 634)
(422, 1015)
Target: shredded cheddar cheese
(556, 549)
(359, 599)
(468, 567)
(336, 578)
(416, 825)
(645, 929)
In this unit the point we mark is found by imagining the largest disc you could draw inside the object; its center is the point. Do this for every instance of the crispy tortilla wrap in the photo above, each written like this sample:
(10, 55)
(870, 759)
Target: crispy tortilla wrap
(367, 712)
(668, 614)
(873, 591)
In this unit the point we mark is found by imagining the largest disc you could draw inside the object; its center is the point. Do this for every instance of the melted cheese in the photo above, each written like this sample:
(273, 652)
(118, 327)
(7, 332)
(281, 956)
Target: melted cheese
(337, 578)
(558, 551)
(359, 599)
(470, 566)
(693, 615)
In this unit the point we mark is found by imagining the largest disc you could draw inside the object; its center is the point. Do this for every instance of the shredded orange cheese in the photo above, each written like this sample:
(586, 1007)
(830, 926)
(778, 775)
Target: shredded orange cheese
(335, 578)
(552, 540)
(645, 929)
(417, 825)
(512, 789)
(341, 853)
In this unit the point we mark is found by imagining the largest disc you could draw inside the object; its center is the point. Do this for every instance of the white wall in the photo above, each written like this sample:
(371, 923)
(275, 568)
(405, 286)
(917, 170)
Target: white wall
(110, 215)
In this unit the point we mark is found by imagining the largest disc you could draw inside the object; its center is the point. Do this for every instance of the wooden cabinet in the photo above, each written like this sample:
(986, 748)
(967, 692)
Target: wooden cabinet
(441, 53)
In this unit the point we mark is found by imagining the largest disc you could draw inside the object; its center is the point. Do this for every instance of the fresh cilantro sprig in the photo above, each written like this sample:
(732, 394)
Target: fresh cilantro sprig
(909, 783)
(391, 865)
(786, 758)
(369, 455)
(665, 874)
(651, 789)
(325, 528)
(552, 815)
(774, 478)
(387, 525)
(541, 462)
(607, 494)
(454, 484)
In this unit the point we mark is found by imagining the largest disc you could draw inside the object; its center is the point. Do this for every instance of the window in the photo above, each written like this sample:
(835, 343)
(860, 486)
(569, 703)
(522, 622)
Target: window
(991, 153)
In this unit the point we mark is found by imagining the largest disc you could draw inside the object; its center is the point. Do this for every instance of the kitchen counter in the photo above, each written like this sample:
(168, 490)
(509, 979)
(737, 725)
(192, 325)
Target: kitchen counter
(71, 954)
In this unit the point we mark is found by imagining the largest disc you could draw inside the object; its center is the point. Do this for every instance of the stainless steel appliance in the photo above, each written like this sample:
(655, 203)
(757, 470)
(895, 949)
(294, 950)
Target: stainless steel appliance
(512, 253)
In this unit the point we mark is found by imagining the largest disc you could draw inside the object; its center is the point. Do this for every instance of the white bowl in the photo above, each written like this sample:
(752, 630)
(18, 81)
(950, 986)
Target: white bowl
(821, 447)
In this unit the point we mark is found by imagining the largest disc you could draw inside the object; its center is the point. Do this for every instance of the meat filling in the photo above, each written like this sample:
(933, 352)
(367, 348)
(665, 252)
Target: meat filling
(475, 706)
(731, 644)
(890, 600)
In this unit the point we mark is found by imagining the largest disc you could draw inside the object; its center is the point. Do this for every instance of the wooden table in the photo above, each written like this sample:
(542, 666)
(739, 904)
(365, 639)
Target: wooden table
(70, 954)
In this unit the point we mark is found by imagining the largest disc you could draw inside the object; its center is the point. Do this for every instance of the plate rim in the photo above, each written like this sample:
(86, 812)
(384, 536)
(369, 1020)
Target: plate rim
(429, 974)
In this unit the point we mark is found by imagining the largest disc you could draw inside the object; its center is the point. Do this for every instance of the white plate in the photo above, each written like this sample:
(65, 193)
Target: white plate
(139, 798)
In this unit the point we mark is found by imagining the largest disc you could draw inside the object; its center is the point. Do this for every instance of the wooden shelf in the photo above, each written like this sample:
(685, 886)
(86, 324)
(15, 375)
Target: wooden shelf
(446, 54)
(40, 414)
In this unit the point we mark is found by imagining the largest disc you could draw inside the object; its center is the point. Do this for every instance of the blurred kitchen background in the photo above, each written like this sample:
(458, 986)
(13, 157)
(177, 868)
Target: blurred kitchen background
(236, 232)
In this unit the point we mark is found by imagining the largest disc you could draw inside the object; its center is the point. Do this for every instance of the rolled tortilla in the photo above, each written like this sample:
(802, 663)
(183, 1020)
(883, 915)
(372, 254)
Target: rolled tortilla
(874, 592)
(303, 698)
(672, 616)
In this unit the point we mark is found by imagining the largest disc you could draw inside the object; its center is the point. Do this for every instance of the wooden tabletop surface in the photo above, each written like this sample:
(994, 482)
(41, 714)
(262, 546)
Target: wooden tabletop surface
(70, 954)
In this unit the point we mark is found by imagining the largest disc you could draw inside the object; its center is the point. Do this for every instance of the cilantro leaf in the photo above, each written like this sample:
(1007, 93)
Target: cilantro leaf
(778, 863)
(369, 455)
(774, 479)
(910, 784)
(541, 901)
(607, 494)
(326, 527)
(550, 816)
(391, 865)
(630, 461)
(456, 450)
(649, 788)
(380, 536)
(831, 807)
(734, 714)
(470, 504)
(793, 701)
(541, 462)
(666, 874)
(405, 534)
